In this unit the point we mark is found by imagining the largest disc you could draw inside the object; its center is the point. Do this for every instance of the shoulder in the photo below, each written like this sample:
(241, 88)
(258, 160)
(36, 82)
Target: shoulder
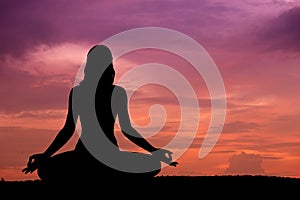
(74, 88)
(74, 91)
(119, 92)
(119, 89)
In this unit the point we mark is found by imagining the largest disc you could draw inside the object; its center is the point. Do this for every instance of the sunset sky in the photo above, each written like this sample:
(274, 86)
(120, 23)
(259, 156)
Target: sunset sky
(254, 43)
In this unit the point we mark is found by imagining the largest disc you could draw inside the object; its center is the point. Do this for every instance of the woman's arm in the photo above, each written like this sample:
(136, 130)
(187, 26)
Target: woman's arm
(62, 137)
(66, 132)
(121, 102)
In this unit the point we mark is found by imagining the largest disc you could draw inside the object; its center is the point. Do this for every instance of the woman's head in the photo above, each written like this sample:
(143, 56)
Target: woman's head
(99, 64)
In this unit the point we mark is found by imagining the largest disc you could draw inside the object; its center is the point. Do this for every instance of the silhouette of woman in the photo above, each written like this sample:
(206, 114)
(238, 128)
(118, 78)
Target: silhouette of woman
(97, 96)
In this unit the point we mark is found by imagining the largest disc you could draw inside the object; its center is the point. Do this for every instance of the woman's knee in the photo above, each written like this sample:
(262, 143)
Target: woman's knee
(43, 171)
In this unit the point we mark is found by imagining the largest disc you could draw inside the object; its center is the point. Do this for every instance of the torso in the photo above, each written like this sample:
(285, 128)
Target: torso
(86, 112)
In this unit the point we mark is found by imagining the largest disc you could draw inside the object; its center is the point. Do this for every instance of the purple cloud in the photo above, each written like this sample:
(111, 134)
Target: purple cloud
(28, 23)
(282, 32)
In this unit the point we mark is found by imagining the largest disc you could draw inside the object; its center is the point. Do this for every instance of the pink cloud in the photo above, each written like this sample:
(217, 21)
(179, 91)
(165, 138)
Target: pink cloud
(249, 164)
(240, 127)
(41, 79)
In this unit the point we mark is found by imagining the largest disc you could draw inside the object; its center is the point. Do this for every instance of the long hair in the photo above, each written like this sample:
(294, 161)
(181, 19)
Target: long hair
(99, 64)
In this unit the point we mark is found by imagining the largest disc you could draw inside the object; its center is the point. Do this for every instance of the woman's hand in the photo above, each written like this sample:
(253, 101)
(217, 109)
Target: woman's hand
(34, 162)
(165, 156)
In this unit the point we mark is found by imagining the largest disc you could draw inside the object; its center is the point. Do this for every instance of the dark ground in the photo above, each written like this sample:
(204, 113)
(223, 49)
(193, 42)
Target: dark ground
(183, 187)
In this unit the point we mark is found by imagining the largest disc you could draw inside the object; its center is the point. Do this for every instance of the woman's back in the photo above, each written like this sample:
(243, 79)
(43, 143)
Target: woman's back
(86, 105)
